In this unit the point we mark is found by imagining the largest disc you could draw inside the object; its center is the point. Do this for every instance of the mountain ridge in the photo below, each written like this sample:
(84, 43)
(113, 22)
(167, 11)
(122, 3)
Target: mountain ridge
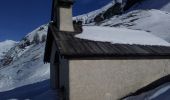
(118, 7)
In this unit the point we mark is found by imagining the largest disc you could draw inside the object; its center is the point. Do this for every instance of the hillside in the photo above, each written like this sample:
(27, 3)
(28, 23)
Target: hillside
(163, 5)
(147, 15)
(153, 21)
(5, 46)
(117, 7)
(23, 63)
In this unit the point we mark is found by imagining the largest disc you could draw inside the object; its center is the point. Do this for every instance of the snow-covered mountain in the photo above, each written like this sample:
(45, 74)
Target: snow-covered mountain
(21, 63)
(153, 21)
(163, 5)
(89, 17)
(117, 7)
(5, 46)
(35, 37)
(147, 15)
(113, 8)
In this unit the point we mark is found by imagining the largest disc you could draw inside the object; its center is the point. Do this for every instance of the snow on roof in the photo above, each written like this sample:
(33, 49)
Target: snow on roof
(120, 36)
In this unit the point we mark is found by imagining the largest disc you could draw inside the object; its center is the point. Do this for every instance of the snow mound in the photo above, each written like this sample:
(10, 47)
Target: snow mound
(120, 36)
(153, 21)
(5, 46)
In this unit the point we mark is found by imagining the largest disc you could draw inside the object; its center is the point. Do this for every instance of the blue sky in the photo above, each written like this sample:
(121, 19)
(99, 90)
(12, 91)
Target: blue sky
(19, 17)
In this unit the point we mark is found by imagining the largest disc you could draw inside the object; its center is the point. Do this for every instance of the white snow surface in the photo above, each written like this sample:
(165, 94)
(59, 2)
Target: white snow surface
(154, 21)
(120, 36)
(163, 5)
(42, 30)
(27, 66)
(5, 46)
(27, 69)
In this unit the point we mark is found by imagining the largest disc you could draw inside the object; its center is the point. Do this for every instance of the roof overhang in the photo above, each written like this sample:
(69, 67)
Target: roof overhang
(71, 47)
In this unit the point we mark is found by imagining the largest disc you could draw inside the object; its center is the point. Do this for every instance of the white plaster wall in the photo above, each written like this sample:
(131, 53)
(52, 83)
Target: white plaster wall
(112, 79)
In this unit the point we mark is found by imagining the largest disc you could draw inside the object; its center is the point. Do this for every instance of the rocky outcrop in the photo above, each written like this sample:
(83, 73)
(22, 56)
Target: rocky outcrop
(116, 7)
(114, 10)
(130, 3)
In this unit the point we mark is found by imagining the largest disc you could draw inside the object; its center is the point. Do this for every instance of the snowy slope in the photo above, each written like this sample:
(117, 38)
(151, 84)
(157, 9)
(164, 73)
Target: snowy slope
(26, 64)
(163, 5)
(147, 15)
(153, 21)
(89, 17)
(159, 93)
(27, 69)
(5, 46)
(25, 44)
(42, 30)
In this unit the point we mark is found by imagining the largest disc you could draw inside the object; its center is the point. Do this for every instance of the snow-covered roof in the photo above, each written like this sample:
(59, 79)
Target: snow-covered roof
(120, 36)
(96, 44)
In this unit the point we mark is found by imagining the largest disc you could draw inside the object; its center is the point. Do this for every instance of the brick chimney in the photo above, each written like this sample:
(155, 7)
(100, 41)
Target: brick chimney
(62, 15)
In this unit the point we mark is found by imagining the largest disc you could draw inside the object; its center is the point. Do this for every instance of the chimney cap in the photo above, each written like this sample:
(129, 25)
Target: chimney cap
(66, 2)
